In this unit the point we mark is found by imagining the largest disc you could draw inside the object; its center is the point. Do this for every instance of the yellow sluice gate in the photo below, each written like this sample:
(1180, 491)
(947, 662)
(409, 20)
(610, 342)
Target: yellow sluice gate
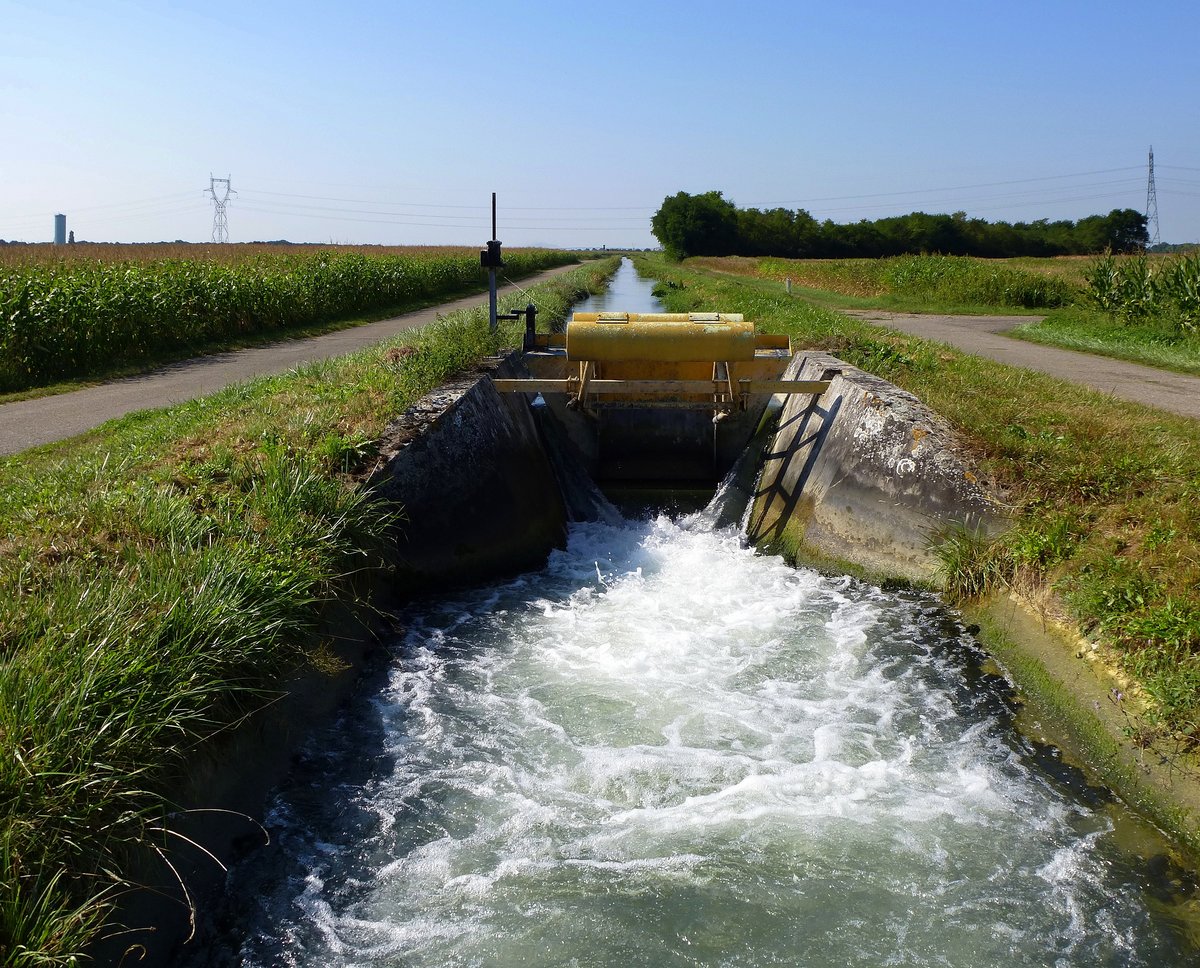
(659, 337)
(710, 361)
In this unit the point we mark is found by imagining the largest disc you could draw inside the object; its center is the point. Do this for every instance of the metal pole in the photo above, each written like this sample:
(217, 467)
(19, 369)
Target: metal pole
(492, 276)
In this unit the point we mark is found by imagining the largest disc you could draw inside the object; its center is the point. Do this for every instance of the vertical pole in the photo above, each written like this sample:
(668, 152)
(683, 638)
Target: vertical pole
(492, 276)
(788, 281)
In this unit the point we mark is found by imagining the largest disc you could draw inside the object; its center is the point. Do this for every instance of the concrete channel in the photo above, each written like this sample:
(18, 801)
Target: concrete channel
(861, 474)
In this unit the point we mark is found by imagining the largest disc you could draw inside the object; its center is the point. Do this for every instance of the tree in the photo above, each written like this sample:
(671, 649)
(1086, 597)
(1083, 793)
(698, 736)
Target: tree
(1127, 232)
(688, 225)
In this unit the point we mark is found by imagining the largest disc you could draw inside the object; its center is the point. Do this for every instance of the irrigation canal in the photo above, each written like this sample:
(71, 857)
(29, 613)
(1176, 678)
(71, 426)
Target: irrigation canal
(665, 749)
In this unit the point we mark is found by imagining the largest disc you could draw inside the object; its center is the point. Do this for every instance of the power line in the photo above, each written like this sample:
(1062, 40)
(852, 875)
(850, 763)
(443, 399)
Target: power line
(511, 208)
(286, 208)
(959, 188)
(386, 220)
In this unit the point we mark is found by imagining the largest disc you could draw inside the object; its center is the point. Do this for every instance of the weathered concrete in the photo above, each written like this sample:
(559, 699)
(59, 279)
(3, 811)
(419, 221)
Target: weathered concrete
(479, 493)
(864, 474)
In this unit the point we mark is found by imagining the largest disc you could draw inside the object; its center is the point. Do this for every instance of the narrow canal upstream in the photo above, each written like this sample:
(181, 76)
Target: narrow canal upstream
(665, 749)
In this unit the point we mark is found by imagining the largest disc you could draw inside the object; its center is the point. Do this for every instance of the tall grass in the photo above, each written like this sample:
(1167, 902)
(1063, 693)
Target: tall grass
(938, 279)
(76, 317)
(157, 576)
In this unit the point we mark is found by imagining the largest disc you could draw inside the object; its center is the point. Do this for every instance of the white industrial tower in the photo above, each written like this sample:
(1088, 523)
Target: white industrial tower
(220, 232)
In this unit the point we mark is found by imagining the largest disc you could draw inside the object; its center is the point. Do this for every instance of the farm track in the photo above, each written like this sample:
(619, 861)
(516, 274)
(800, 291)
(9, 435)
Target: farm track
(31, 423)
(981, 336)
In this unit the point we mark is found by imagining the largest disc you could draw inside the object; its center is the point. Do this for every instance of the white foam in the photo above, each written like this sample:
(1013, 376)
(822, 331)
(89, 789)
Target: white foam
(663, 713)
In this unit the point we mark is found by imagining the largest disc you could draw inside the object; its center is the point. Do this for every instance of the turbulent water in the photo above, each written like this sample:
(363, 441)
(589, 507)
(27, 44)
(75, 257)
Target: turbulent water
(665, 749)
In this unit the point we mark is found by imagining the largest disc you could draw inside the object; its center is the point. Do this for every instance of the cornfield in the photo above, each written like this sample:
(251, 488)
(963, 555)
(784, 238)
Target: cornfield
(1135, 290)
(944, 279)
(75, 317)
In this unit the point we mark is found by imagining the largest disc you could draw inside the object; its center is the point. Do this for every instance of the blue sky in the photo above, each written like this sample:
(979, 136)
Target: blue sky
(393, 122)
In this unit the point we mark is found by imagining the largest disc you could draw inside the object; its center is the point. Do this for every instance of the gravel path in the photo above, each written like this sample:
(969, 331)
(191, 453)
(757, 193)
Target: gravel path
(29, 423)
(979, 335)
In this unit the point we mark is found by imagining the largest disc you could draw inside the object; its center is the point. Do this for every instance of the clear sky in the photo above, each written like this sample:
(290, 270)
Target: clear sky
(392, 122)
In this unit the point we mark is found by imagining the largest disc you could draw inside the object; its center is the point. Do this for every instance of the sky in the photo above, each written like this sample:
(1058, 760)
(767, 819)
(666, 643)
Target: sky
(393, 122)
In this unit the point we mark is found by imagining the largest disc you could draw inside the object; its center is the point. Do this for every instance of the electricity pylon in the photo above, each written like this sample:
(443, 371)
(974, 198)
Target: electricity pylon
(220, 232)
(1152, 204)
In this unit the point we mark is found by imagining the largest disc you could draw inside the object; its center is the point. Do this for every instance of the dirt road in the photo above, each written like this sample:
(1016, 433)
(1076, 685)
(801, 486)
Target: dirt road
(29, 423)
(979, 335)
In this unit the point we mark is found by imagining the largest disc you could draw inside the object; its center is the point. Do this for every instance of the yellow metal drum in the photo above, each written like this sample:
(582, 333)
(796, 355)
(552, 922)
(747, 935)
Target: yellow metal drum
(660, 337)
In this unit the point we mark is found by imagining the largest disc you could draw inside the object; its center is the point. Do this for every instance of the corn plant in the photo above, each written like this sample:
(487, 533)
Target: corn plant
(79, 317)
(1180, 285)
(1134, 291)
(1103, 278)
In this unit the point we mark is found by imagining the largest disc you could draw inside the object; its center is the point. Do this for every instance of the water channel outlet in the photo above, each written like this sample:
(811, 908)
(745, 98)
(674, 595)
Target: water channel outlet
(666, 749)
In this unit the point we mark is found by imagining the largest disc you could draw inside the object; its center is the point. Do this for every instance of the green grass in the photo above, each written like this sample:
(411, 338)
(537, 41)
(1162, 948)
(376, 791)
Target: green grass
(1107, 493)
(926, 283)
(158, 575)
(80, 318)
(1152, 342)
(935, 284)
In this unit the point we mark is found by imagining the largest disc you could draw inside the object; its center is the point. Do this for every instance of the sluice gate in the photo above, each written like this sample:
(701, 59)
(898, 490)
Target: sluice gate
(667, 398)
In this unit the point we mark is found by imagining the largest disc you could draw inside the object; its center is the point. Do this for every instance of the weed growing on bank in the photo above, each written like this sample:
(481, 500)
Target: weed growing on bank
(158, 576)
(1106, 495)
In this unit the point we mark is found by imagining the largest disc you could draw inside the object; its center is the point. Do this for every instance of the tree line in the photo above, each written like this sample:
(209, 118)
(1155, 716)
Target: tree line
(709, 224)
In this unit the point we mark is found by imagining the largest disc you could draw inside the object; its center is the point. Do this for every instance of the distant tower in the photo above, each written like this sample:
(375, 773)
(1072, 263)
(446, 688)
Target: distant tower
(1152, 204)
(60, 230)
(220, 232)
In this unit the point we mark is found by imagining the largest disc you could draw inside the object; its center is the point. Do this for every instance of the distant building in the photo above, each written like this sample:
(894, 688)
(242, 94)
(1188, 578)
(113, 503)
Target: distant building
(60, 230)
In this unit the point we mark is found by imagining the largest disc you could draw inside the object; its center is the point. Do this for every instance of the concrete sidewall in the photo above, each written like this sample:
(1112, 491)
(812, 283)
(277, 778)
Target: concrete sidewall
(865, 474)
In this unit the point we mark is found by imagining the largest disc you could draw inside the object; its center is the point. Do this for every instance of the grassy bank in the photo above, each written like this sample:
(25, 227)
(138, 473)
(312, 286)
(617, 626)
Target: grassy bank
(93, 312)
(928, 283)
(157, 576)
(1153, 342)
(1106, 495)
(1062, 289)
(1133, 308)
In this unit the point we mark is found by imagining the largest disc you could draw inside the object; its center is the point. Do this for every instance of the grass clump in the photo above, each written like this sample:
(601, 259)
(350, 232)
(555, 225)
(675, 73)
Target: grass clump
(1106, 494)
(158, 576)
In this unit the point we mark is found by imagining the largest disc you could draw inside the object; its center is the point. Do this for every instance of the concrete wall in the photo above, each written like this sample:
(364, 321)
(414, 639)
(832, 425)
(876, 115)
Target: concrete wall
(863, 474)
(479, 492)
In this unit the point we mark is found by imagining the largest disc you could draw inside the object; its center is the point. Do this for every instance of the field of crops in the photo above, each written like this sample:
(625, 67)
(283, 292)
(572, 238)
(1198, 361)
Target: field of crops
(940, 279)
(1137, 288)
(77, 311)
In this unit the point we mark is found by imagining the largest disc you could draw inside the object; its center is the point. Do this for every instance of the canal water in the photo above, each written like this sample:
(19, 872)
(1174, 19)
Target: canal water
(666, 749)
(627, 292)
